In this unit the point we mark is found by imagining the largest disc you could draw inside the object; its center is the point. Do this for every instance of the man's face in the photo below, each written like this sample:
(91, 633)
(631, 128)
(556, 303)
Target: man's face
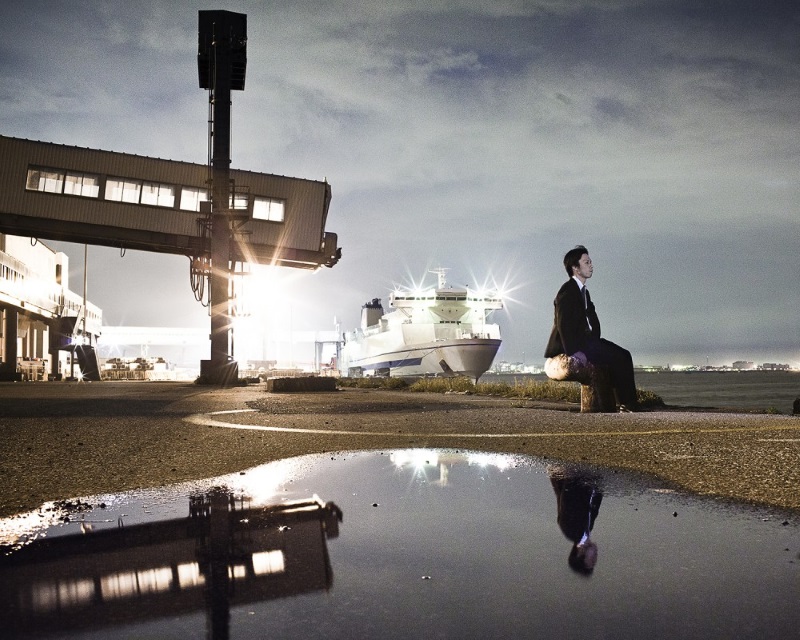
(584, 269)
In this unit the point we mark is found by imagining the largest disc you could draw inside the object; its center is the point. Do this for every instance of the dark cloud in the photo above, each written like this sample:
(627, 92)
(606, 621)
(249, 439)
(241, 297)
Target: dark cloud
(485, 137)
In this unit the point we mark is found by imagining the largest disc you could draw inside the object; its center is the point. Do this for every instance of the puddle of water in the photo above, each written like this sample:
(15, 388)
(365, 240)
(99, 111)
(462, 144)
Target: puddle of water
(433, 543)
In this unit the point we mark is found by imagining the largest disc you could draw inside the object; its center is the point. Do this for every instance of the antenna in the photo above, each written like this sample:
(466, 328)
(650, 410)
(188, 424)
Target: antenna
(441, 272)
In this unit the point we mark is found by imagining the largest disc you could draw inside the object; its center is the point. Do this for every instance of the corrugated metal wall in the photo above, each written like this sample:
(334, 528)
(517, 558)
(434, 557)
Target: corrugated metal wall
(305, 210)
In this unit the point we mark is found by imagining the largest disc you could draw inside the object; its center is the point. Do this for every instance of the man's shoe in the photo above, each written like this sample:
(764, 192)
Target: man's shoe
(624, 408)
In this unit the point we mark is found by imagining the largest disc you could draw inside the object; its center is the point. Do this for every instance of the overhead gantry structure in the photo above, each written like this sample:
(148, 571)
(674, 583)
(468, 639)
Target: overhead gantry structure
(217, 216)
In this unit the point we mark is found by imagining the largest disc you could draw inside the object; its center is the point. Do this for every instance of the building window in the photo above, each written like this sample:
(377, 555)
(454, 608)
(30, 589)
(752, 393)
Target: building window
(268, 209)
(160, 195)
(65, 182)
(192, 197)
(48, 180)
(138, 192)
(79, 184)
(239, 201)
(123, 190)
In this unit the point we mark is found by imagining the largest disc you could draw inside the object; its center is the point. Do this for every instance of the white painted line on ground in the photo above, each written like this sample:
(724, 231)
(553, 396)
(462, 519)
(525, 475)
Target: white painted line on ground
(207, 420)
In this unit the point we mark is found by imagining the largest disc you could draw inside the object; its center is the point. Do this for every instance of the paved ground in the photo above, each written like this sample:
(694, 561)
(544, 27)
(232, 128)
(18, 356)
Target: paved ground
(64, 440)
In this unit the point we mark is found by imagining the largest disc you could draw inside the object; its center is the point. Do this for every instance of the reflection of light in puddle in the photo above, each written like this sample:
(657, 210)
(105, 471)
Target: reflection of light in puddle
(420, 458)
(62, 595)
(26, 524)
(423, 462)
(263, 483)
(415, 458)
(501, 462)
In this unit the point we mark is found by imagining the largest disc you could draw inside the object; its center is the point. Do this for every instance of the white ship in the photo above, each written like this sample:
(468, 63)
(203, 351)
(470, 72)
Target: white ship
(436, 332)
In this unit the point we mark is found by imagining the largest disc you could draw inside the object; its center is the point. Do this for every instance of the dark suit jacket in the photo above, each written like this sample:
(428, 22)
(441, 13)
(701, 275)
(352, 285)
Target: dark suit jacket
(570, 331)
(578, 505)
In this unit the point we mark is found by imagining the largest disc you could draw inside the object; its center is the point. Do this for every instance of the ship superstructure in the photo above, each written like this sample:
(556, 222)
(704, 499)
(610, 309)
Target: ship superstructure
(442, 331)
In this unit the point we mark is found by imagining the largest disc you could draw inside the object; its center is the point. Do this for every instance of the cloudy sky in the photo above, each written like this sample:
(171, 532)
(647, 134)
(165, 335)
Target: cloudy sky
(485, 137)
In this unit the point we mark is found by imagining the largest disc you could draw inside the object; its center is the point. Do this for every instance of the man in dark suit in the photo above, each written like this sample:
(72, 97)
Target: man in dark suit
(576, 330)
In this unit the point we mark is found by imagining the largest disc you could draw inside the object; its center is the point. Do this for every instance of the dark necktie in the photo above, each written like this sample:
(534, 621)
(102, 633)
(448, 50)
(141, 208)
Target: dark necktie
(585, 293)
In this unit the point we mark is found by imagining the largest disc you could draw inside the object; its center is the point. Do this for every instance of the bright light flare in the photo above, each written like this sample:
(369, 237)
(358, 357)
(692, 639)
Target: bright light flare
(260, 292)
(261, 485)
(499, 461)
(502, 289)
(415, 458)
(266, 303)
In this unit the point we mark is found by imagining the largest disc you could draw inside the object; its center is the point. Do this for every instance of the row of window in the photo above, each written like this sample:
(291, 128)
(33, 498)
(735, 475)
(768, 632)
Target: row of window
(64, 594)
(143, 192)
(10, 274)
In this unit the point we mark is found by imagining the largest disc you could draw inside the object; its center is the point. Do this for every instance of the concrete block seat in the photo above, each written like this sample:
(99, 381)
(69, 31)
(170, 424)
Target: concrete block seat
(597, 393)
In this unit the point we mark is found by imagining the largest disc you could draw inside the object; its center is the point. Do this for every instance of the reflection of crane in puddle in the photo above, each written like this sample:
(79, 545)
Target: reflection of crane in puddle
(425, 462)
(224, 554)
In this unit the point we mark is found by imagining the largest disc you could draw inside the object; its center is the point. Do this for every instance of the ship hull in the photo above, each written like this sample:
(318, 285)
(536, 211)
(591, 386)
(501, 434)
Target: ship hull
(470, 357)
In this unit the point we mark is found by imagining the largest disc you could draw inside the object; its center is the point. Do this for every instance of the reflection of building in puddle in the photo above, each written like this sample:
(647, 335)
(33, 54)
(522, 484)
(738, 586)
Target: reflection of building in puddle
(425, 463)
(224, 554)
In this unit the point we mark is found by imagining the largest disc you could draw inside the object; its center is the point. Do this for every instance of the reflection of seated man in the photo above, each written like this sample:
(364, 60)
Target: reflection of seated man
(578, 504)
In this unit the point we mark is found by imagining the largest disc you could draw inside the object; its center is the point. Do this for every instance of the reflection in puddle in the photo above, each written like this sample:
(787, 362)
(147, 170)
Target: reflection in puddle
(225, 553)
(578, 499)
(436, 543)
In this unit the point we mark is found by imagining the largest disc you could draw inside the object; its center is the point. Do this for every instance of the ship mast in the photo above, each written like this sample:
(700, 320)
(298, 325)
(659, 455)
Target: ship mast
(441, 272)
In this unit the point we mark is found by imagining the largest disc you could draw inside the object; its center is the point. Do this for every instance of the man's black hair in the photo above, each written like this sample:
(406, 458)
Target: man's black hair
(573, 258)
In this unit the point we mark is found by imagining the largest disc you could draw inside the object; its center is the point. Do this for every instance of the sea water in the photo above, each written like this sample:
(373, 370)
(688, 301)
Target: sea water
(741, 390)
(735, 389)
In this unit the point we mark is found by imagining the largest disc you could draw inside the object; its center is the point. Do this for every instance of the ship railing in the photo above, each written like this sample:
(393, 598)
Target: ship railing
(476, 335)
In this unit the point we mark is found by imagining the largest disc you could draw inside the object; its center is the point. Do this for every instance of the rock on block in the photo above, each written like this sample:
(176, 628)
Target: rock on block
(303, 384)
(597, 393)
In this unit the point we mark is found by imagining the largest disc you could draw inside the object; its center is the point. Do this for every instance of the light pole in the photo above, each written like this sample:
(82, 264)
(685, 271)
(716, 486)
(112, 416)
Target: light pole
(221, 64)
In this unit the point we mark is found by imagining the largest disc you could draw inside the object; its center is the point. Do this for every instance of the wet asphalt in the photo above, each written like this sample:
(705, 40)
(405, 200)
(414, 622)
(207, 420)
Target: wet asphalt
(66, 440)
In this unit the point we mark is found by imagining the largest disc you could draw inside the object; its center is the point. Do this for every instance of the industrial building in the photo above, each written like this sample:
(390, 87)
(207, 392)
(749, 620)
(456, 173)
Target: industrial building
(57, 192)
(220, 218)
(42, 320)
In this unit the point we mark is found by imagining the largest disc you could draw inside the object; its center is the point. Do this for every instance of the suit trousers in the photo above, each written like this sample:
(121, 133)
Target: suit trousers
(619, 363)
